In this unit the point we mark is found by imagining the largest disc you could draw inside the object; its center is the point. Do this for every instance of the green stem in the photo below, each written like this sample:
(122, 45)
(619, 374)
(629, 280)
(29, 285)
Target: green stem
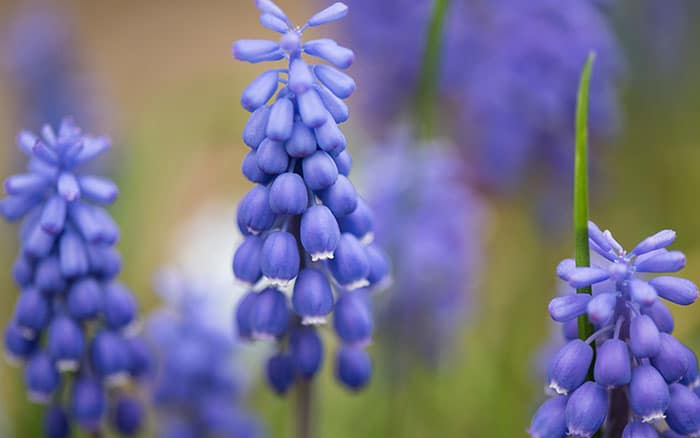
(304, 422)
(585, 328)
(427, 87)
(583, 258)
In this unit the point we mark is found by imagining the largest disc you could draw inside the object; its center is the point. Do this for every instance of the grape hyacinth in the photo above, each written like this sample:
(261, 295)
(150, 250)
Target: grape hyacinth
(71, 321)
(435, 271)
(508, 77)
(645, 381)
(304, 224)
(200, 355)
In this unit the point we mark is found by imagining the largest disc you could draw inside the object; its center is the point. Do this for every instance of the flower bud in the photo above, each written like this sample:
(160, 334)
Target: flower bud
(18, 347)
(613, 365)
(269, 314)
(300, 78)
(281, 120)
(586, 410)
(568, 307)
(549, 420)
(65, 343)
(601, 308)
(119, 306)
(288, 194)
(645, 340)
(246, 261)
(353, 367)
(359, 223)
(279, 259)
(313, 297)
(676, 290)
(570, 367)
(320, 171)
(302, 143)
(659, 240)
(109, 357)
(338, 82)
(272, 157)
(683, 414)
(352, 319)
(344, 163)
(73, 255)
(661, 261)
(56, 423)
(255, 127)
(23, 272)
(280, 373)
(48, 277)
(648, 393)
(637, 429)
(254, 214)
(328, 136)
(586, 276)
(306, 351)
(88, 403)
(84, 299)
(252, 172)
(261, 89)
(378, 264)
(128, 416)
(662, 317)
(642, 293)
(244, 316)
(32, 312)
(350, 266)
(41, 377)
(319, 232)
(312, 111)
(671, 360)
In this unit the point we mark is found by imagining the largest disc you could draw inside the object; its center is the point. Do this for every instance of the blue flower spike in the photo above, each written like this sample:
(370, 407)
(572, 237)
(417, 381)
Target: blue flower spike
(635, 351)
(293, 216)
(72, 316)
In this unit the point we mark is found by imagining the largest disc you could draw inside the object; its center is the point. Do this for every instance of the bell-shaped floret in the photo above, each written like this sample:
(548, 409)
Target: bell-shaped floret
(313, 297)
(683, 414)
(270, 315)
(671, 360)
(66, 343)
(613, 365)
(350, 266)
(279, 260)
(319, 232)
(550, 420)
(676, 290)
(254, 214)
(648, 393)
(306, 351)
(586, 410)
(246, 261)
(280, 372)
(353, 367)
(352, 319)
(570, 367)
(288, 194)
(645, 340)
(41, 377)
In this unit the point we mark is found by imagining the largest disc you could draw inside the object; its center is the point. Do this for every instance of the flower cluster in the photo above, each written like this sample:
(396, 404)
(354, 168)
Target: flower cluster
(509, 74)
(413, 187)
(654, 376)
(305, 226)
(200, 357)
(70, 321)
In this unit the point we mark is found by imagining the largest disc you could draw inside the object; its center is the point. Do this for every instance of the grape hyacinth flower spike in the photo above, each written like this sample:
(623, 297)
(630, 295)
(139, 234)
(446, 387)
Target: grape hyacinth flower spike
(294, 244)
(71, 321)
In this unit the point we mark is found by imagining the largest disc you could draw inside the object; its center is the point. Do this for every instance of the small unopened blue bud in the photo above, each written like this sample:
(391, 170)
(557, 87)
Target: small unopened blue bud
(119, 306)
(338, 82)
(648, 393)
(73, 256)
(26, 184)
(352, 319)
(659, 240)
(250, 169)
(84, 299)
(340, 198)
(570, 329)
(661, 261)
(97, 189)
(320, 171)
(306, 350)
(570, 367)
(279, 260)
(300, 77)
(109, 356)
(601, 308)
(586, 276)
(272, 157)
(550, 420)
(269, 7)
(246, 261)
(302, 143)
(260, 90)
(683, 414)
(311, 109)
(637, 429)
(53, 217)
(568, 307)
(338, 110)
(350, 266)
(378, 265)
(256, 51)
(328, 50)
(128, 416)
(41, 377)
(18, 347)
(319, 232)
(14, 208)
(586, 410)
(68, 186)
(280, 373)
(353, 367)
(38, 243)
(273, 23)
(32, 312)
(244, 316)
(255, 128)
(269, 314)
(49, 278)
(140, 360)
(88, 402)
(281, 120)
(359, 223)
(254, 214)
(291, 41)
(565, 267)
(313, 297)
(23, 271)
(645, 340)
(288, 194)
(329, 137)
(671, 360)
(641, 293)
(613, 365)
(66, 343)
(332, 13)
(692, 376)
(56, 423)
(661, 316)
(344, 162)
(676, 290)
(105, 261)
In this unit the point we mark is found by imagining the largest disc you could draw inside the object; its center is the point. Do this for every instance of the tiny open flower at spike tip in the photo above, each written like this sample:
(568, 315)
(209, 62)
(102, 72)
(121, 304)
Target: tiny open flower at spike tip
(635, 353)
(292, 217)
(67, 271)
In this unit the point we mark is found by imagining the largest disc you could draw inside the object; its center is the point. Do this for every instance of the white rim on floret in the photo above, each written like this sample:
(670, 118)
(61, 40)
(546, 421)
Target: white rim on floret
(653, 417)
(357, 284)
(67, 365)
(313, 320)
(558, 389)
(321, 256)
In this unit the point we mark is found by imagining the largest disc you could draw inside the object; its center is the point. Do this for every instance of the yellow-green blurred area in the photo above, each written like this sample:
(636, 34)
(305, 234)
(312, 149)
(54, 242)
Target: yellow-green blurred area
(172, 89)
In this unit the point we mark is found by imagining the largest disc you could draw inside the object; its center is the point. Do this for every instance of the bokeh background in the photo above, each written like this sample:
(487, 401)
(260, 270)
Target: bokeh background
(164, 86)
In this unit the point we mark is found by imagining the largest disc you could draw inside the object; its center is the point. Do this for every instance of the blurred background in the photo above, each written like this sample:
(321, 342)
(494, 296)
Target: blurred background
(158, 77)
